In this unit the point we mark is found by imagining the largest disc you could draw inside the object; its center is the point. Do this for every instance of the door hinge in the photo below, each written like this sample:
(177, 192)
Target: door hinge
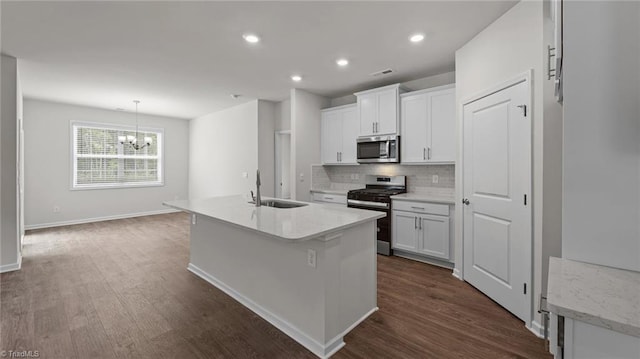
(525, 288)
(525, 199)
(524, 109)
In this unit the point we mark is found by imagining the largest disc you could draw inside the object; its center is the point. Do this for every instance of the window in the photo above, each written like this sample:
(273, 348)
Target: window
(100, 161)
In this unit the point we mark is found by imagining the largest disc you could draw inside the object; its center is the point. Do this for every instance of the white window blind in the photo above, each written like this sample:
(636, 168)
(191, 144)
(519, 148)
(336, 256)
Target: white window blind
(100, 161)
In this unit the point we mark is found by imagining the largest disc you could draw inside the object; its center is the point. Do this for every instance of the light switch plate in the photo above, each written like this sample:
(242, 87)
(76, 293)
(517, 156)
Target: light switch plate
(311, 258)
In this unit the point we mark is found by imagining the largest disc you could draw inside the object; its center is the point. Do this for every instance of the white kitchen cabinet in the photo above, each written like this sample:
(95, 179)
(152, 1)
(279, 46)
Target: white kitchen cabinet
(339, 131)
(405, 229)
(378, 110)
(427, 122)
(585, 341)
(320, 197)
(433, 236)
(421, 228)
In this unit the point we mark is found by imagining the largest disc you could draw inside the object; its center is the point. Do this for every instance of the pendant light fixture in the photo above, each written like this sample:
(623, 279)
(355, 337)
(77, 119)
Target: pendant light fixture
(133, 140)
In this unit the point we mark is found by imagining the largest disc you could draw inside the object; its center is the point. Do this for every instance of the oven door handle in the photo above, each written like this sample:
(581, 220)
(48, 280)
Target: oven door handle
(368, 204)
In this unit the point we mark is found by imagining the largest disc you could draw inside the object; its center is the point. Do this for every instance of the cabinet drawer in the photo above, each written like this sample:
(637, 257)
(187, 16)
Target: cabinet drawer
(421, 207)
(330, 198)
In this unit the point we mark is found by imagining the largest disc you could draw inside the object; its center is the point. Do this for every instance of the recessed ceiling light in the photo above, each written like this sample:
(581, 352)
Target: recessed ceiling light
(416, 37)
(296, 78)
(251, 38)
(342, 62)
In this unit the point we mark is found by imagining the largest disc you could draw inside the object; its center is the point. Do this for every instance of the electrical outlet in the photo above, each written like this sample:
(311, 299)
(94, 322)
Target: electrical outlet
(435, 179)
(301, 177)
(311, 258)
(56, 209)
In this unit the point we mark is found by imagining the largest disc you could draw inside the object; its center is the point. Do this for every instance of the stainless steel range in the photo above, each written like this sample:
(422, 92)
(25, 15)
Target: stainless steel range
(377, 197)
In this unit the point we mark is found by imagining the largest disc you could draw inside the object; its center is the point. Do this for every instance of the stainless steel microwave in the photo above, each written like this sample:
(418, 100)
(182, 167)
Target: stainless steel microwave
(379, 149)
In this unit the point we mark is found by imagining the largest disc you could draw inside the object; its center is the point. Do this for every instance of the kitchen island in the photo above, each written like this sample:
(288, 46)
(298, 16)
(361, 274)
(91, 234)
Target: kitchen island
(310, 271)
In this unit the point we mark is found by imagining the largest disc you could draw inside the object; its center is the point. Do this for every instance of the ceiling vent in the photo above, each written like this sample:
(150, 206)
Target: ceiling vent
(382, 72)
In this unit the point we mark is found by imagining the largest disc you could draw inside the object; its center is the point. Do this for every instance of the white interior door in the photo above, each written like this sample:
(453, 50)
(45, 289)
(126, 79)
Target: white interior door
(283, 165)
(496, 179)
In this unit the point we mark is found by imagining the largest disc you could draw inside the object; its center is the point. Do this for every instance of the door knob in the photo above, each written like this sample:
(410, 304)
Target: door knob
(465, 201)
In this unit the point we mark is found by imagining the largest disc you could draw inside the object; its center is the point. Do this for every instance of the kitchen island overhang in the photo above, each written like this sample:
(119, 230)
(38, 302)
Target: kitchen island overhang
(309, 271)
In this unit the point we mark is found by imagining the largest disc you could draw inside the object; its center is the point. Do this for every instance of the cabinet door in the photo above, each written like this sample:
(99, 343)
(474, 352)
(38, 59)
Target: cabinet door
(413, 124)
(368, 113)
(404, 226)
(331, 142)
(442, 116)
(387, 112)
(350, 128)
(433, 236)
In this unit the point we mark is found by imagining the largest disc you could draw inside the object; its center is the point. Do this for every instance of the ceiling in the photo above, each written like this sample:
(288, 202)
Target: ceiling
(184, 59)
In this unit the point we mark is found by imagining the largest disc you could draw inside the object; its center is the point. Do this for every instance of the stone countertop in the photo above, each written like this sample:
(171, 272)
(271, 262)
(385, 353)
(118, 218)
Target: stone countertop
(425, 197)
(294, 224)
(595, 294)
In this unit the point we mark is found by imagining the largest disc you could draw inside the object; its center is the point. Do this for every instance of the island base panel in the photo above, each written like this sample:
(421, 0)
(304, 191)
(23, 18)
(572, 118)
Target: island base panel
(316, 306)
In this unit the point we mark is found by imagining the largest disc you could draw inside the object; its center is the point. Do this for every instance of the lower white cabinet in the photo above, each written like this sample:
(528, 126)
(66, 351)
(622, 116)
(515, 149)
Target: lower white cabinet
(421, 233)
(585, 341)
(319, 197)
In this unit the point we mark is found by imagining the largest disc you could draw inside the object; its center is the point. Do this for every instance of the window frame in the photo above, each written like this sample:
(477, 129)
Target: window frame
(113, 126)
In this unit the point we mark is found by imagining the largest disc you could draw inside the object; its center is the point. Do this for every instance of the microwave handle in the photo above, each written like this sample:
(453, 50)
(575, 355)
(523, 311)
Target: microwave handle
(388, 148)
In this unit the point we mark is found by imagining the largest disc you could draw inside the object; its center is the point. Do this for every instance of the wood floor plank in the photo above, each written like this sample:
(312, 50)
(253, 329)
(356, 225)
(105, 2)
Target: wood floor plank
(120, 289)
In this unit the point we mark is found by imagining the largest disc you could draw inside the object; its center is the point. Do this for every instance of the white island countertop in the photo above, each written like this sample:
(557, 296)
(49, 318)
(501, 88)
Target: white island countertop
(603, 296)
(294, 224)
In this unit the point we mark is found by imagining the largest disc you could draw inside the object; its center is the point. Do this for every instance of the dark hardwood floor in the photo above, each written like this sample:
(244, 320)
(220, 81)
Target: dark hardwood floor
(121, 289)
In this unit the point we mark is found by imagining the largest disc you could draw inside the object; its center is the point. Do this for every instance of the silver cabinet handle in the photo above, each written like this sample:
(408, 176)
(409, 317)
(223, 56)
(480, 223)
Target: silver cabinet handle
(373, 127)
(424, 153)
(428, 153)
(337, 157)
(329, 198)
(422, 208)
(420, 224)
(340, 153)
(415, 222)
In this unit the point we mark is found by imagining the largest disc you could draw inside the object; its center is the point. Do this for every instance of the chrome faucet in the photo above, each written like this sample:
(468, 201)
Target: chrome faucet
(258, 198)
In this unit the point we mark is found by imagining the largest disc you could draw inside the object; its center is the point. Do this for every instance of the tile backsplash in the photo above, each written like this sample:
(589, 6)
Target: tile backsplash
(419, 177)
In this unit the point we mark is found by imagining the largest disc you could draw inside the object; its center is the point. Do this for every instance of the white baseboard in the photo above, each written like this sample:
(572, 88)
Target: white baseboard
(319, 349)
(13, 266)
(537, 329)
(457, 273)
(98, 219)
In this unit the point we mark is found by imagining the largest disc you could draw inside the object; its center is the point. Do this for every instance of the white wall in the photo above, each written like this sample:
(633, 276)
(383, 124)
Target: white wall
(512, 45)
(222, 146)
(48, 167)
(413, 85)
(9, 219)
(283, 115)
(305, 140)
(601, 208)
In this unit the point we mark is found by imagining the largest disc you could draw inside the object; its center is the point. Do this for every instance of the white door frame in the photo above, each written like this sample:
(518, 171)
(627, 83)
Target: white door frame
(525, 76)
(278, 144)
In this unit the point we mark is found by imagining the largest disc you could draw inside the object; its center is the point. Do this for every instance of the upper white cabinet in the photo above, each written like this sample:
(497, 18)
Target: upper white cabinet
(427, 125)
(338, 135)
(378, 110)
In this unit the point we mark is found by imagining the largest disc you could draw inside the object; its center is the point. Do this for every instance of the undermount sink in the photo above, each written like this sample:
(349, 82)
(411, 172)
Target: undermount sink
(280, 204)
